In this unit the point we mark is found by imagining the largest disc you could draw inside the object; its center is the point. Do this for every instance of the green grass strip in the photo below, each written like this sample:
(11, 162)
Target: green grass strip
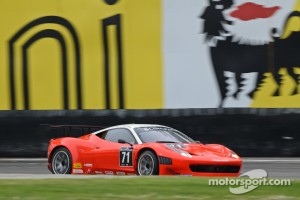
(152, 188)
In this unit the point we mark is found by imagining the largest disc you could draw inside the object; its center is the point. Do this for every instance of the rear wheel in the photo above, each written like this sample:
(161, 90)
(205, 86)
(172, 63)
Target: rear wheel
(147, 164)
(61, 161)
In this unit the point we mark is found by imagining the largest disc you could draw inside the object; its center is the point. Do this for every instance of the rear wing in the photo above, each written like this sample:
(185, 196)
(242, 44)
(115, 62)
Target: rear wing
(70, 130)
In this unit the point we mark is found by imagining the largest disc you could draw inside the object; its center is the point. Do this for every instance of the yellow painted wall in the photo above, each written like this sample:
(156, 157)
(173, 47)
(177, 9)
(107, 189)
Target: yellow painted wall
(142, 62)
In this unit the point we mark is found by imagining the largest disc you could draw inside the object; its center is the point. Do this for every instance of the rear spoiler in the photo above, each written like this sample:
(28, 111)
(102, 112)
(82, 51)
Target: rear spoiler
(71, 130)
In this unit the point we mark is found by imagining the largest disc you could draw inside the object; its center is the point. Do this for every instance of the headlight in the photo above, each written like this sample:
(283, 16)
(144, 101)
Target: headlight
(175, 147)
(185, 154)
(234, 155)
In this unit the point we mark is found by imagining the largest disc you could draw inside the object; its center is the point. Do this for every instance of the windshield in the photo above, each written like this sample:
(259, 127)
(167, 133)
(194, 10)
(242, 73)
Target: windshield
(162, 134)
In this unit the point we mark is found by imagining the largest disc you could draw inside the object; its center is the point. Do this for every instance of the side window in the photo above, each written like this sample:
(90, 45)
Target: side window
(121, 133)
(102, 135)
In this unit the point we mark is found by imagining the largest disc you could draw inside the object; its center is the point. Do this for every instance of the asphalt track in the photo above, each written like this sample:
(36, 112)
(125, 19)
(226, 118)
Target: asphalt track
(37, 168)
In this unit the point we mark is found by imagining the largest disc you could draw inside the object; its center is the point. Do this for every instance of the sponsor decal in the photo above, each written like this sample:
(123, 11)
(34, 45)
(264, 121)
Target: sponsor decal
(88, 164)
(77, 171)
(158, 129)
(109, 173)
(77, 165)
(120, 173)
(98, 172)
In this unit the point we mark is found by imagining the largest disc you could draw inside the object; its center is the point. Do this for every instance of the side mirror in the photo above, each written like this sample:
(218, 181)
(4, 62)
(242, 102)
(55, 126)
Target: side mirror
(121, 141)
(124, 142)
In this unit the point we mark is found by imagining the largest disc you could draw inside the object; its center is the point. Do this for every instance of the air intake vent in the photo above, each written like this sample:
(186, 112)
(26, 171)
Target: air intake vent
(164, 160)
(215, 168)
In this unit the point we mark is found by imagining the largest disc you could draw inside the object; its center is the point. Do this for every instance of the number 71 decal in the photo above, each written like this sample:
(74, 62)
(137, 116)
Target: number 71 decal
(126, 156)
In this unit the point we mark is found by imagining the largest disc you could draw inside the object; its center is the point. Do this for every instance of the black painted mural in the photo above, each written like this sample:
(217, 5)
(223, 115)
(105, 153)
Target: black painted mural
(240, 51)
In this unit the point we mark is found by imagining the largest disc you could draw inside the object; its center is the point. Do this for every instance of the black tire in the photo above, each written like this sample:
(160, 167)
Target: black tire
(61, 161)
(147, 164)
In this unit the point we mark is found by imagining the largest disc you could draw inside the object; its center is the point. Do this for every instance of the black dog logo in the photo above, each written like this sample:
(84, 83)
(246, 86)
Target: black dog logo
(233, 58)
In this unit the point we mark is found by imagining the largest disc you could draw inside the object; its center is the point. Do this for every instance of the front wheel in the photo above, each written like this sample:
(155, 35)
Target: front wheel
(147, 164)
(61, 161)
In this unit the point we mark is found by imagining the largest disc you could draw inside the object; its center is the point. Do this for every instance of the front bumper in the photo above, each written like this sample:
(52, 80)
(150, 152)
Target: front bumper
(228, 167)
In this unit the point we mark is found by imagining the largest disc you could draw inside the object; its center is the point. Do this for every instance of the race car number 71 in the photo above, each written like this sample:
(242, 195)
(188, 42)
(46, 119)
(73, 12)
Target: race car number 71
(126, 156)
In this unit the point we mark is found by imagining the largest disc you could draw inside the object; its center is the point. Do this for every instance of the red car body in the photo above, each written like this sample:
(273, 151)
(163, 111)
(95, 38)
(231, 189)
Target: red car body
(99, 153)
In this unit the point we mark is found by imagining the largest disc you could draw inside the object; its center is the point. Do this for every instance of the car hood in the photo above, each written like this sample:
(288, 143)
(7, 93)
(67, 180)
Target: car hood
(202, 149)
(217, 149)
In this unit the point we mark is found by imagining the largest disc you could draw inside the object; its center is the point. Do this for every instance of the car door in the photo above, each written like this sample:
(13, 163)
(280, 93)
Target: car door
(112, 157)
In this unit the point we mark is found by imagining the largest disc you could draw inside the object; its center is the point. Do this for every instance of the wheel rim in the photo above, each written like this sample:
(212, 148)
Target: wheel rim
(146, 165)
(60, 162)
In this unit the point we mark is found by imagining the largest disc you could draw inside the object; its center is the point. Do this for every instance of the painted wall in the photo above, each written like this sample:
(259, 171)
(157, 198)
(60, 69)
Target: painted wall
(133, 54)
(66, 54)
(228, 53)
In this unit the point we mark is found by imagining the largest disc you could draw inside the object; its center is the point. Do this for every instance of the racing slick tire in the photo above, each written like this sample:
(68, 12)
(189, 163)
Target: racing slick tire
(147, 164)
(61, 161)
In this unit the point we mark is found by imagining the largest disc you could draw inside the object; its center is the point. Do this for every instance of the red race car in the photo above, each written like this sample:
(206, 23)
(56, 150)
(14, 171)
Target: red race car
(140, 149)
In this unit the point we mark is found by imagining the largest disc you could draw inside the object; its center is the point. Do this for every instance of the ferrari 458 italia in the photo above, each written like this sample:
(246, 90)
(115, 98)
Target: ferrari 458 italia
(140, 149)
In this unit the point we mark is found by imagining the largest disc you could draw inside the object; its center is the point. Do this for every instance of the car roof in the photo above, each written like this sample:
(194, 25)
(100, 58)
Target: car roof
(129, 126)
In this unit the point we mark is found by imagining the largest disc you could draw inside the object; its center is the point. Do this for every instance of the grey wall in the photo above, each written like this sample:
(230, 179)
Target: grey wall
(249, 132)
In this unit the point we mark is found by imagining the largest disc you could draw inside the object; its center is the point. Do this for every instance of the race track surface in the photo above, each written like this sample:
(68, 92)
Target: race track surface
(37, 168)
